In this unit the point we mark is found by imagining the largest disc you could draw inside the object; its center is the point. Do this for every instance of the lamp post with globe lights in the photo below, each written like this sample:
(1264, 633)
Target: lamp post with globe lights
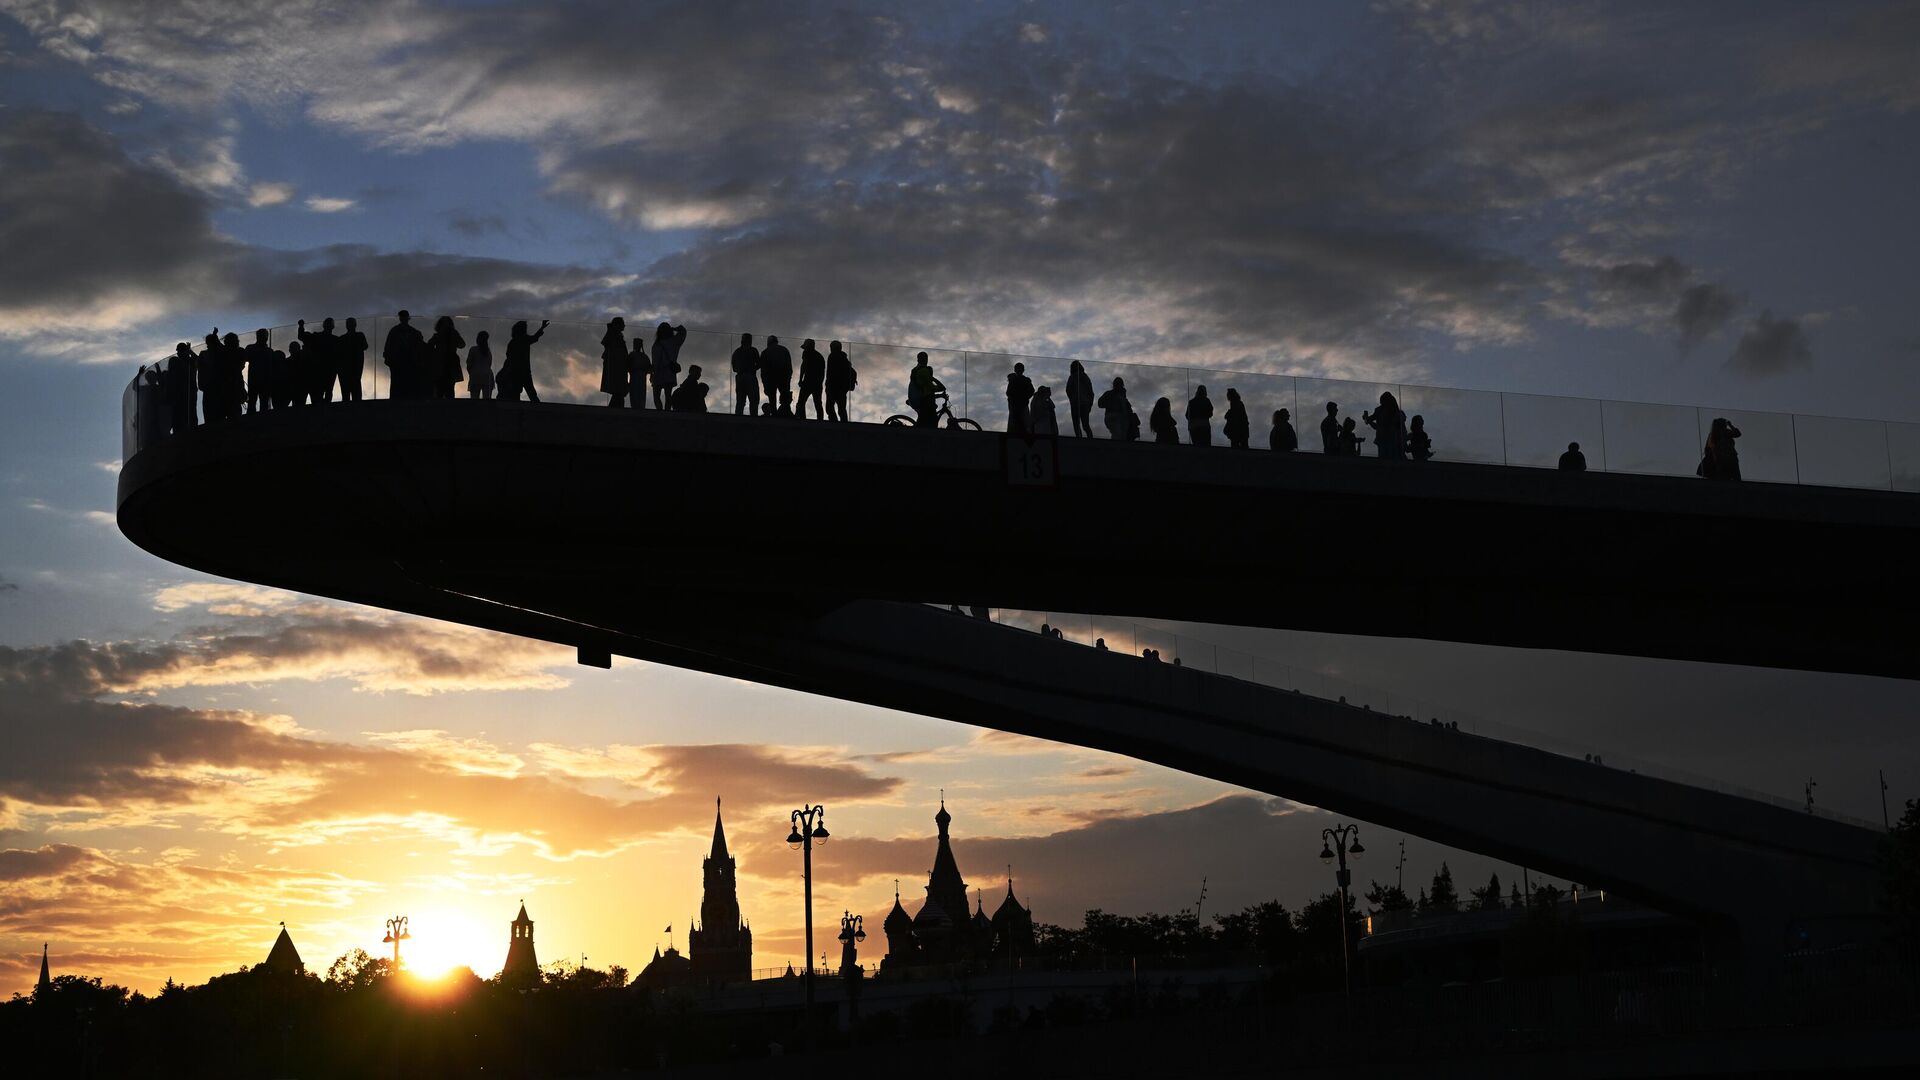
(1337, 843)
(809, 825)
(396, 933)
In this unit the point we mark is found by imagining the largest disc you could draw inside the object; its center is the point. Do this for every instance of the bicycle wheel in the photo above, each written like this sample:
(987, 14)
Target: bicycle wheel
(961, 423)
(899, 420)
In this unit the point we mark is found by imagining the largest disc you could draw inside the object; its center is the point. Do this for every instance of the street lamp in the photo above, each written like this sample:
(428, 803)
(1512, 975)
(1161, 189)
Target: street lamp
(396, 933)
(809, 824)
(1337, 843)
(852, 932)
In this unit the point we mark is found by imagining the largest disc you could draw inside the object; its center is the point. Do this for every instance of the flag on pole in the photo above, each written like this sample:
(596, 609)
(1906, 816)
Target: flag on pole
(668, 930)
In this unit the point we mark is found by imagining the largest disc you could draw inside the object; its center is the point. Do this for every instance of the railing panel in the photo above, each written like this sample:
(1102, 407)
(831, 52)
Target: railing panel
(1903, 456)
(1663, 440)
(1465, 425)
(1843, 453)
(1538, 429)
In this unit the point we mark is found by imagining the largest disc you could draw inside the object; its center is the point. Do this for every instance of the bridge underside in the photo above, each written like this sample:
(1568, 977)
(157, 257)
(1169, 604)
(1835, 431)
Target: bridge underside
(716, 546)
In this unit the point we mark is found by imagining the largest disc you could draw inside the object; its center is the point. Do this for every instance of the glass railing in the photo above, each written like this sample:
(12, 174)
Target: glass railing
(1134, 639)
(1479, 426)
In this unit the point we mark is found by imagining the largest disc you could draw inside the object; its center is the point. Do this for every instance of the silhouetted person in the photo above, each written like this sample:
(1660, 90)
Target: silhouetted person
(1237, 428)
(260, 372)
(323, 356)
(841, 379)
(1330, 430)
(666, 362)
(639, 366)
(182, 381)
(351, 352)
(1573, 460)
(1200, 418)
(1019, 393)
(1720, 460)
(1118, 412)
(1080, 399)
(404, 353)
(1041, 417)
(614, 363)
(691, 395)
(290, 375)
(1419, 443)
(776, 375)
(1389, 426)
(316, 369)
(234, 369)
(480, 368)
(1161, 424)
(813, 377)
(207, 375)
(1349, 438)
(920, 392)
(746, 378)
(1283, 438)
(516, 374)
(443, 351)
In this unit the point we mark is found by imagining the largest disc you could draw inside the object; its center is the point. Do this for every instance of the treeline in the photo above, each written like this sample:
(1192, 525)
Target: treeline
(358, 1019)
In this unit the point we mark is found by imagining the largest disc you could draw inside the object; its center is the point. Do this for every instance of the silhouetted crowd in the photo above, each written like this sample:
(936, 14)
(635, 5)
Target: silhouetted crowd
(321, 366)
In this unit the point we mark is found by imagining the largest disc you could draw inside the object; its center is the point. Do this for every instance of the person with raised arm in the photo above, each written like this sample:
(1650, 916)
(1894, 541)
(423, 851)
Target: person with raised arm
(516, 374)
(1720, 460)
(666, 363)
(323, 358)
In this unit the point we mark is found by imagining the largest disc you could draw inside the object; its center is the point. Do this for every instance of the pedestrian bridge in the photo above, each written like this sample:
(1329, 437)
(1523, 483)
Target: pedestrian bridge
(514, 499)
(780, 553)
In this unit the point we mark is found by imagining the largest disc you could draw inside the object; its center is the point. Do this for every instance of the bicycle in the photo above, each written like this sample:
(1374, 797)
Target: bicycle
(944, 411)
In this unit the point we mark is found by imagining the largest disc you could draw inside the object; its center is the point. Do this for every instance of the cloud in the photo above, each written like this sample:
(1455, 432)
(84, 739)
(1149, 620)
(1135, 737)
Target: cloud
(8, 586)
(269, 194)
(320, 204)
(78, 760)
(1660, 295)
(1771, 346)
(121, 244)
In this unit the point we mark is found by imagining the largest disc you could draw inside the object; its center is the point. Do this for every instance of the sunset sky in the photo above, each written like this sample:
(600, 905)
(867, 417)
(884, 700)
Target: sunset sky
(1709, 202)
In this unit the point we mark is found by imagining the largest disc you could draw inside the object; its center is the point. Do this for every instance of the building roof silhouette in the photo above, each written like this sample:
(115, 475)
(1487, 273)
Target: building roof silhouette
(45, 981)
(719, 835)
(283, 956)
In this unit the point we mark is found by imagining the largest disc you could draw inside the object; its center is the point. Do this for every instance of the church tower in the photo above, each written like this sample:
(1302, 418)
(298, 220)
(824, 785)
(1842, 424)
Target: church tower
(942, 926)
(721, 947)
(522, 966)
(45, 982)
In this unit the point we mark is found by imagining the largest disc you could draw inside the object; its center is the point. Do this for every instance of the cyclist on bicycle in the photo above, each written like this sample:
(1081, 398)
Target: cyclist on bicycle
(924, 392)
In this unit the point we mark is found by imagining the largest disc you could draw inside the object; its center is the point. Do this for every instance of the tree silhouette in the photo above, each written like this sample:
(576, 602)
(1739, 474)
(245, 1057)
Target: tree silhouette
(1487, 897)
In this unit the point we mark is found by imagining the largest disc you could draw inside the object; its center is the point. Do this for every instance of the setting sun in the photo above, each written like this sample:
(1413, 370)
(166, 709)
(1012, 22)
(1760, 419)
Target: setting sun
(442, 940)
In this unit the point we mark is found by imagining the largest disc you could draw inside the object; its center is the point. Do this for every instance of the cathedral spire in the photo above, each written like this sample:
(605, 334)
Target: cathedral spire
(45, 982)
